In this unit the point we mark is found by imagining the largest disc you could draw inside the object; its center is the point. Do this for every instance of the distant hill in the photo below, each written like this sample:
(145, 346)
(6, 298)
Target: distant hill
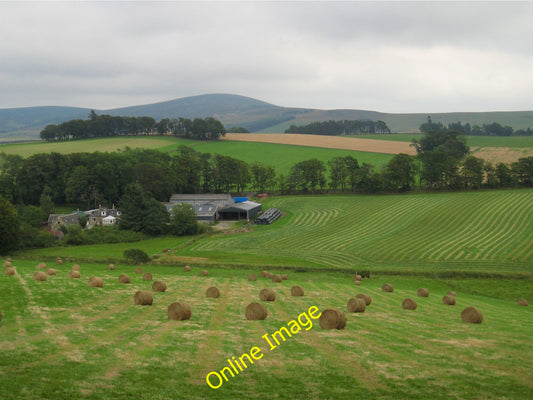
(235, 110)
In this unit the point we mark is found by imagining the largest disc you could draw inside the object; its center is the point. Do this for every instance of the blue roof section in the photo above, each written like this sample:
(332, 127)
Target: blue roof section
(240, 199)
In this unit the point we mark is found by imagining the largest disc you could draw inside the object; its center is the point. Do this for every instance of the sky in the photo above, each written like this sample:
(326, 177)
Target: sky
(398, 57)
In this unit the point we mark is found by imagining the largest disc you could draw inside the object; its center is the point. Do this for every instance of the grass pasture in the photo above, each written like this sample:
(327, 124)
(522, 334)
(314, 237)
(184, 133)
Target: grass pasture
(62, 339)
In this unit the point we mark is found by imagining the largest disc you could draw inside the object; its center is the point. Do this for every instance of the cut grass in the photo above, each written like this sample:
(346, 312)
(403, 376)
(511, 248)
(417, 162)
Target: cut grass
(62, 339)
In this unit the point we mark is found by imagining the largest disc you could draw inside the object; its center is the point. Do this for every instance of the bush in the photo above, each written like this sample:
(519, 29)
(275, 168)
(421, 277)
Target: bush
(136, 256)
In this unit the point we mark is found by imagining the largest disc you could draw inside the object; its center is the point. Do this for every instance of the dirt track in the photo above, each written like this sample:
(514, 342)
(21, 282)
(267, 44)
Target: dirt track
(331, 142)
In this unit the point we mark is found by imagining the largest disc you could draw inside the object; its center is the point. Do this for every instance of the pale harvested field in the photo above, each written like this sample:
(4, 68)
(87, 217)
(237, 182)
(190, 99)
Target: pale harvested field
(330, 142)
(506, 155)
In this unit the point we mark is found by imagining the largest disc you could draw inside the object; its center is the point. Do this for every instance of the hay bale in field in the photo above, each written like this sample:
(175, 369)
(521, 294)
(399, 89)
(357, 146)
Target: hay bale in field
(179, 311)
(9, 271)
(138, 270)
(297, 290)
(59, 261)
(422, 292)
(39, 276)
(76, 267)
(252, 277)
(41, 265)
(111, 267)
(264, 274)
(284, 277)
(7, 264)
(95, 281)
(387, 288)
(357, 283)
(409, 304)
(74, 274)
(269, 275)
(276, 278)
(147, 276)
(332, 319)
(255, 311)
(356, 305)
(471, 315)
(364, 297)
(358, 277)
(267, 295)
(143, 298)
(205, 273)
(187, 268)
(123, 278)
(212, 292)
(159, 286)
(448, 300)
(522, 302)
(450, 293)
(51, 271)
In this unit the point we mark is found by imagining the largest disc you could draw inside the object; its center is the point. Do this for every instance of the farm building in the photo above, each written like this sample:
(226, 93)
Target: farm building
(212, 207)
(242, 210)
(103, 216)
(57, 220)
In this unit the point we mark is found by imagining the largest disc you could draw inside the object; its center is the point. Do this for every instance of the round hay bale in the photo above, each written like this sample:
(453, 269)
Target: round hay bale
(264, 274)
(357, 283)
(267, 295)
(522, 302)
(39, 276)
(41, 265)
(138, 270)
(255, 311)
(95, 281)
(123, 278)
(332, 319)
(9, 271)
(356, 305)
(74, 274)
(111, 267)
(269, 275)
(422, 292)
(205, 273)
(365, 297)
(387, 288)
(276, 278)
(358, 278)
(179, 311)
(7, 264)
(212, 292)
(159, 286)
(284, 277)
(448, 300)
(143, 298)
(147, 276)
(297, 290)
(252, 277)
(409, 304)
(450, 293)
(59, 261)
(471, 315)
(51, 271)
(187, 268)
(76, 267)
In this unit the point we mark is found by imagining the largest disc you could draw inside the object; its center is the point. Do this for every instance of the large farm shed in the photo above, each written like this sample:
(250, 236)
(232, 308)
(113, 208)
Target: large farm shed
(243, 210)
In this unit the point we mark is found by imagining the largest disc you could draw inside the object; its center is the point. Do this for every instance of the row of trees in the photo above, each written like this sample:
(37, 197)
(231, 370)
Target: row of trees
(493, 129)
(106, 126)
(346, 127)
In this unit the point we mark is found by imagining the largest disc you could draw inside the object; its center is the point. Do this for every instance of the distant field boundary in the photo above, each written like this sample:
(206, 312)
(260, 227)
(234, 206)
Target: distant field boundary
(330, 142)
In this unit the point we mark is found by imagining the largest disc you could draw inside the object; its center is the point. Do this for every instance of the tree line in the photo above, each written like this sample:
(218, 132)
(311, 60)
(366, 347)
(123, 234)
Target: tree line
(108, 126)
(346, 127)
(493, 129)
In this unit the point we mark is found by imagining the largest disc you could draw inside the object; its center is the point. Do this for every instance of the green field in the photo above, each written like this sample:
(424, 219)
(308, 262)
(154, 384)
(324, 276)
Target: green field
(62, 339)
(283, 157)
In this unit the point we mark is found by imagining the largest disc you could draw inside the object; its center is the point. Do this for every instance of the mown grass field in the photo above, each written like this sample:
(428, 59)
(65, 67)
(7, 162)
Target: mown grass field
(474, 141)
(62, 339)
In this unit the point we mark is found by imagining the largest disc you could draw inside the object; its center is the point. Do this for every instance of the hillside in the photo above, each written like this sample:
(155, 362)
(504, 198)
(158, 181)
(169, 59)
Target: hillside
(235, 110)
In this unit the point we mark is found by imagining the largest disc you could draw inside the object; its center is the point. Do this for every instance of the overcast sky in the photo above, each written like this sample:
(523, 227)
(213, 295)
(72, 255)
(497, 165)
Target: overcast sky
(383, 56)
